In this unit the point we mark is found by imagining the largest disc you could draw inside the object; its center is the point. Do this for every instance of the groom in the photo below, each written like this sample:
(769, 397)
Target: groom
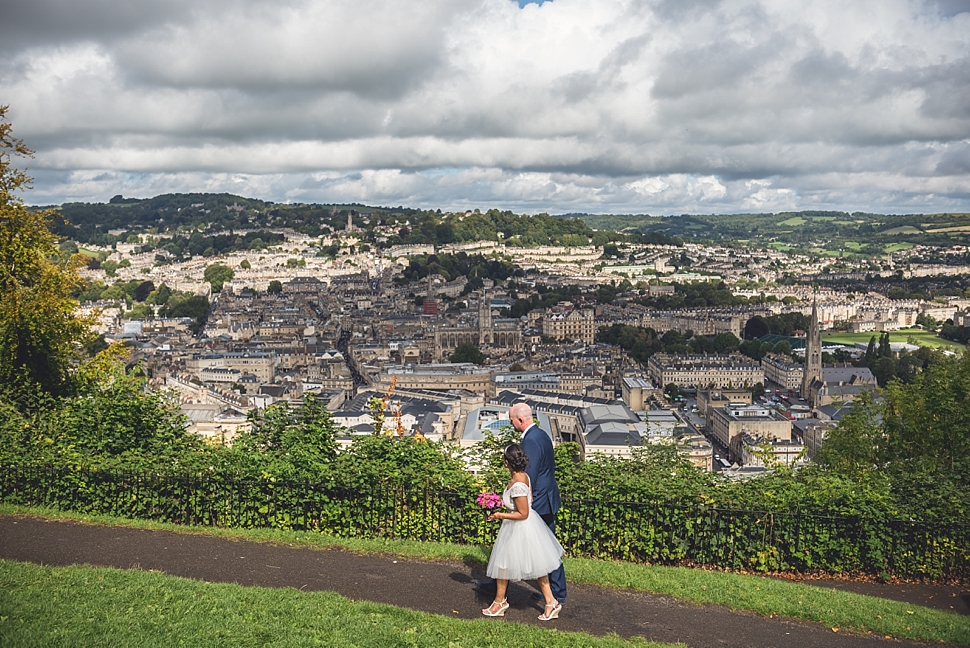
(545, 491)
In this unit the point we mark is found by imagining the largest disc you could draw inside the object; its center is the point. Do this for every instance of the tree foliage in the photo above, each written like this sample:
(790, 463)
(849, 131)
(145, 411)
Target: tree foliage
(40, 334)
(467, 352)
(217, 274)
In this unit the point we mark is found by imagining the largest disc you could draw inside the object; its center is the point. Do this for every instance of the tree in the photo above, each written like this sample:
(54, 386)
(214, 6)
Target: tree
(884, 349)
(184, 305)
(725, 342)
(928, 421)
(217, 274)
(857, 445)
(467, 352)
(755, 328)
(245, 264)
(758, 390)
(884, 370)
(783, 347)
(870, 356)
(40, 334)
(142, 290)
(274, 287)
(672, 391)
(294, 442)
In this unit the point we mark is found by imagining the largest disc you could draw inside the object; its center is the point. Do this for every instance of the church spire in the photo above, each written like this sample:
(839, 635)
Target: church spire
(813, 353)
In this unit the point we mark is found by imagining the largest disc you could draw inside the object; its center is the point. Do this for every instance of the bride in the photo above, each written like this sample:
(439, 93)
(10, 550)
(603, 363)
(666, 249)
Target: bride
(525, 547)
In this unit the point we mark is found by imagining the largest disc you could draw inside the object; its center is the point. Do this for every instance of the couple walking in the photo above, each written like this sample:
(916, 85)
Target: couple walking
(526, 545)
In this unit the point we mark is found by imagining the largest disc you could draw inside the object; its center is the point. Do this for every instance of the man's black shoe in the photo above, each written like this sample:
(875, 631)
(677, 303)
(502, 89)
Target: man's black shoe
(486, 587)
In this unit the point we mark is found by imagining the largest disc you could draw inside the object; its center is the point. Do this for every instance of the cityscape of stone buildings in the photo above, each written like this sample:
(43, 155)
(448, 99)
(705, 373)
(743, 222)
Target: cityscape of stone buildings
(350, 329)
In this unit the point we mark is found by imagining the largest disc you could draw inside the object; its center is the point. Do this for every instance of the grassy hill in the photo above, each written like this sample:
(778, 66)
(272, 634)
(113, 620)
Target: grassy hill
(852, 234)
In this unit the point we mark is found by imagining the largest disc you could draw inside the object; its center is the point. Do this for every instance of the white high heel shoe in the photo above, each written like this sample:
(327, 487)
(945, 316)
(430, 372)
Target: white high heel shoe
(549, 615)
(503, 605)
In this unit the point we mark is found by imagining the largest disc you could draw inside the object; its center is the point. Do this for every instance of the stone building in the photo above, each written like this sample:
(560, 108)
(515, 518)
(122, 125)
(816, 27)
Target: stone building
(569, 323)
(486, 332)
(840, 382)
(702, 371)
(637, 391)
(783, 371)
(733, 419)
(261, 364)
(435, 377)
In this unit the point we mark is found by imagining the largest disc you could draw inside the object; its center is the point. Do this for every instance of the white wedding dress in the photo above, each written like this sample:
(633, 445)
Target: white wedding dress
(524, 549)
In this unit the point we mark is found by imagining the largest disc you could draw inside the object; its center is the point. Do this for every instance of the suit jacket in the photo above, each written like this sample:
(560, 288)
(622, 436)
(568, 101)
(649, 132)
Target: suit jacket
(541, 470)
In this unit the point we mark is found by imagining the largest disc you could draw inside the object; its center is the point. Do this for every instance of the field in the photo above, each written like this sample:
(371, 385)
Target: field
(921, 337)
(792, 222)
(896, 247)
(960, 228)
(906, 229)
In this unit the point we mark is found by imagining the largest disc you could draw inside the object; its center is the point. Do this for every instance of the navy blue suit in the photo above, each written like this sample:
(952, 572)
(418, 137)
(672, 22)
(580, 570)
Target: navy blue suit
(545, 491)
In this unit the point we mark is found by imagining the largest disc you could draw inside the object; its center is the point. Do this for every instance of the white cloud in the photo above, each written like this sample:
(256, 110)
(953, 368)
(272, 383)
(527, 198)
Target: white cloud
(575, 105)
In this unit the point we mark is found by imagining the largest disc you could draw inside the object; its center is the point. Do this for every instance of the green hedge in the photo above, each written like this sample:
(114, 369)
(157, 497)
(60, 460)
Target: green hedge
(657, 532)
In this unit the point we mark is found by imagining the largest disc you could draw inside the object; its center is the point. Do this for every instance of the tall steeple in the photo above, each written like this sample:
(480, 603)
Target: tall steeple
(813, 353)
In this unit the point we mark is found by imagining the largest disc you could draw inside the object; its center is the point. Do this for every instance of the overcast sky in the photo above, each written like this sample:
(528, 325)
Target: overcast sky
(609, 106)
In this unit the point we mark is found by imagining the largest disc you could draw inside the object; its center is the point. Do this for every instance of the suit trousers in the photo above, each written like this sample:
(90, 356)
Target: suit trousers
(557, 579)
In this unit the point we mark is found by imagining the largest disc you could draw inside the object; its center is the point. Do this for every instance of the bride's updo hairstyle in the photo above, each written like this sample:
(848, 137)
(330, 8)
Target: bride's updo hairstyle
(516, 457)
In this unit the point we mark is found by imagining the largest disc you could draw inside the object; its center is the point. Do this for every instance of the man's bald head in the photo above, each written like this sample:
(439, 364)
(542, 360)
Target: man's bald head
(521, 417)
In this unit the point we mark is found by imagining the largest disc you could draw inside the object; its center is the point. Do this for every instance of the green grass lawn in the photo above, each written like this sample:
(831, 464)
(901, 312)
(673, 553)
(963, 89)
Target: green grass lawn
(923, 338)
(98, 606)
(833, 609)
(794, 221)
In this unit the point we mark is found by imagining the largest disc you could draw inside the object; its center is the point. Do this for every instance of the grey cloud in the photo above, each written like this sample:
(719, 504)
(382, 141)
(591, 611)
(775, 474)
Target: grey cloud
(701, 70)
(382, 51)
(950, 8)
(678, 10)
(956, 160)
(588, 104)
(820, 69)
(581, 85)
(947, 90)
(36, 23)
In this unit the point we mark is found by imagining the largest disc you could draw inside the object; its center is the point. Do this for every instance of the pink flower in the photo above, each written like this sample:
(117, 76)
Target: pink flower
(489, 500)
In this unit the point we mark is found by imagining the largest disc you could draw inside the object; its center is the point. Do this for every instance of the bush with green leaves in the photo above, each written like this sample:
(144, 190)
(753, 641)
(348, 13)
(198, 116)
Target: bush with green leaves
(886, 497)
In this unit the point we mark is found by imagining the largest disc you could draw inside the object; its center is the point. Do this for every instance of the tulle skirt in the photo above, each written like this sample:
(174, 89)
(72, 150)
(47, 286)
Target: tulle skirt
(524, 549)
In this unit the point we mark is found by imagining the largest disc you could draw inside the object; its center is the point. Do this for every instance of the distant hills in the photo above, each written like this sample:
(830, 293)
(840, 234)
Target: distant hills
(858, 233)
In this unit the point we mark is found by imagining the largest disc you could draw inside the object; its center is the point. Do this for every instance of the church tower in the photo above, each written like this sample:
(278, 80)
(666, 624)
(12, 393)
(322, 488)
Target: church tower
(485, 333)
(813, 354)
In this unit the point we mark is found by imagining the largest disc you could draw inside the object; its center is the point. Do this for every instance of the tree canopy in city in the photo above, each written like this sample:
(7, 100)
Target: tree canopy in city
(467, 352)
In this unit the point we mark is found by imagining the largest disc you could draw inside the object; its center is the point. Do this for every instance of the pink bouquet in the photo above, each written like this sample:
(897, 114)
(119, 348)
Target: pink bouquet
(489, 500)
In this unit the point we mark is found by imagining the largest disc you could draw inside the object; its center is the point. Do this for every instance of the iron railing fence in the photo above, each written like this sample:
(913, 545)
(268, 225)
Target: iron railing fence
(669, 533)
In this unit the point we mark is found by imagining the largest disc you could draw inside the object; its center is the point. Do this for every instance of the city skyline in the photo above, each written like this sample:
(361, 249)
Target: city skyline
(562, 106)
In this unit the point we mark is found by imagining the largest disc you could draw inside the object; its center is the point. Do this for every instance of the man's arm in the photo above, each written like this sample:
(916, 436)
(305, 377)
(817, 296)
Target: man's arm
(534, 451)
